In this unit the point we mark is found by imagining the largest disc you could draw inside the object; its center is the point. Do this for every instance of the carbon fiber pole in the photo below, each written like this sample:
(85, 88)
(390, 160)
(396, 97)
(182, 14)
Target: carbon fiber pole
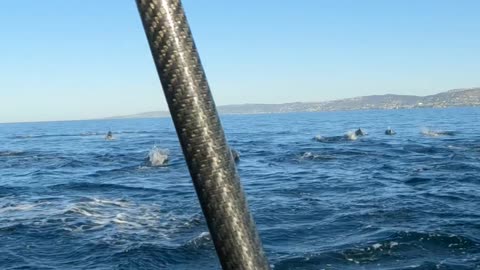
(201, 135)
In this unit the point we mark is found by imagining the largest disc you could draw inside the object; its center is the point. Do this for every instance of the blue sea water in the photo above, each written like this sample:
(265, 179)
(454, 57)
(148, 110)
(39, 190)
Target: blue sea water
(69, 199)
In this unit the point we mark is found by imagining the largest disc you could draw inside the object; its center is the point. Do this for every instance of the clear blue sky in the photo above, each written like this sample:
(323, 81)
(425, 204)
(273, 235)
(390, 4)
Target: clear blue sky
(80, 59)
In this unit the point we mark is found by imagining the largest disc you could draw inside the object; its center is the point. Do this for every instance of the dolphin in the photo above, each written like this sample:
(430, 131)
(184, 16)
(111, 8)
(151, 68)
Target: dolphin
(390, 131)
(109, 136)
(359, 132)
(235, 155)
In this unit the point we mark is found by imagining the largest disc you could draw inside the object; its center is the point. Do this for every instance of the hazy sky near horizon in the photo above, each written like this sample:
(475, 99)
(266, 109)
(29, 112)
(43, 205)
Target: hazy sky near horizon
(81, 59)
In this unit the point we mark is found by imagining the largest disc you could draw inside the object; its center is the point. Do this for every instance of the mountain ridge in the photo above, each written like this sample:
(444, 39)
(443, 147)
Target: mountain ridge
(451, 98)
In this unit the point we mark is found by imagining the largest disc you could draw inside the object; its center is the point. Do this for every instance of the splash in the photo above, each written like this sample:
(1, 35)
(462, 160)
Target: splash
(313, 156)
(436, 133)
(157, 157)
(308, 155)
(109, 136)
(351, 136)
(90, 133)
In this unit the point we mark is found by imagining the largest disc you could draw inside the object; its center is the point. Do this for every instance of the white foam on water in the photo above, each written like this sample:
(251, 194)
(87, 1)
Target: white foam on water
(351, 136)
(119, 203)
(127, 217)
(17, 208)
(307, 155)
(428, 132)
(436, 133)
(10, 153)
(157, 156)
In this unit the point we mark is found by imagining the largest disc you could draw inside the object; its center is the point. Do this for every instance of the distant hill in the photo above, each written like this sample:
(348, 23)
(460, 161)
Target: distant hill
(452, 98)
(154, 114)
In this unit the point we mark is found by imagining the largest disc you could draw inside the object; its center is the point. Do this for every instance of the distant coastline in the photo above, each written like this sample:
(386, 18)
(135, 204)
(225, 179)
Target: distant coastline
(469, 97)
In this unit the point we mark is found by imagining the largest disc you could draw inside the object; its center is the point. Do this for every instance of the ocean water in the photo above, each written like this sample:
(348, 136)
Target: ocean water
(69, 199)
